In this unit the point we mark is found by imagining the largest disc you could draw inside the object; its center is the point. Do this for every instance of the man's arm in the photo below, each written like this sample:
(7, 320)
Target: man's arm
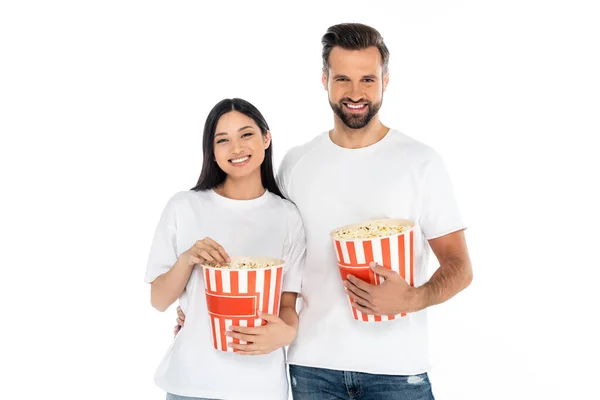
(453, 275)
(396, 296)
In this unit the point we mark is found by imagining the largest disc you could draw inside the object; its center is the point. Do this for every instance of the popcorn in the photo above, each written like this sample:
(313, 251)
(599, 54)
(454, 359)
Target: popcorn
(245, 264)
(387, 242)
(368, 230)
(236, 292)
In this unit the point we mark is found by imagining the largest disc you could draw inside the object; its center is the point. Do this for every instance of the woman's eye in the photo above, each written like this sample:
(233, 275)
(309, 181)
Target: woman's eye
(221, 141)
(247, 134)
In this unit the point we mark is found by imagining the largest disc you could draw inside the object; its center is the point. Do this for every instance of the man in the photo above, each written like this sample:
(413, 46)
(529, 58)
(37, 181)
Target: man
(362, 170)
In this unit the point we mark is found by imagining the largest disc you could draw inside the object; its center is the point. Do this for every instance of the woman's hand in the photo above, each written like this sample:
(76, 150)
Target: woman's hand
(205, 251)
(263, 339)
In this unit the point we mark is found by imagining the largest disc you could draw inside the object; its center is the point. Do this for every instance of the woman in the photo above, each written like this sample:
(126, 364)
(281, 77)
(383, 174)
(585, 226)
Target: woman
(235, 209)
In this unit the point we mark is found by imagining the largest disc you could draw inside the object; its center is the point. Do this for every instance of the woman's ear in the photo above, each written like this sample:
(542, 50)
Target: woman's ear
(267, 139)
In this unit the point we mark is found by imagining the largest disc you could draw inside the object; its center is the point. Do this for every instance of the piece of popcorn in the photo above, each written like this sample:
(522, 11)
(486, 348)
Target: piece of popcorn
(246, 264)
(370, 230)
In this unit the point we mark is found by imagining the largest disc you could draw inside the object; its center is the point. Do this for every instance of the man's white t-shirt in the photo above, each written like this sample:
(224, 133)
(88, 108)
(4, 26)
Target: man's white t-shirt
(268, 226)
(397, 177)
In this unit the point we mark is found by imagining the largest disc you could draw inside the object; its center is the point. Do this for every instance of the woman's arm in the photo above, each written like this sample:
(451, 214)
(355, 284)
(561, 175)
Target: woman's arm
(169, 286)
(288, 311)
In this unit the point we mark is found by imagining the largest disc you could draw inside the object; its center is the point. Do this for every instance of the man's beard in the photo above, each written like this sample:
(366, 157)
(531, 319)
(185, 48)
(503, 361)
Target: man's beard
(355, 121)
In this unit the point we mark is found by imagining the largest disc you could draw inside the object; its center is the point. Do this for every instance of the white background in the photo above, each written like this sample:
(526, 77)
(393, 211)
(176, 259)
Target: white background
(102, 106)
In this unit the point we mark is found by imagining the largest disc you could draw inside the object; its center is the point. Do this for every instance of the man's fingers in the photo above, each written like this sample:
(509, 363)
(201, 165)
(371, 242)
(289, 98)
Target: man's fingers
(362, 309)
(180, 313)
(367, 287)
(357, 290)
(176, 330)
(386, 273)
(358, 295)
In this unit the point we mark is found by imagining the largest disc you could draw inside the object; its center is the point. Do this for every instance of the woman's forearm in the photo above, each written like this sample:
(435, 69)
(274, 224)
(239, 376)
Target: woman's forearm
(287, 312)
(169, 286)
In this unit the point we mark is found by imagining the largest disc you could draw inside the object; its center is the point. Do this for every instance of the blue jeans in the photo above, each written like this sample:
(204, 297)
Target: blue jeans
(326, 384)
(171, 396)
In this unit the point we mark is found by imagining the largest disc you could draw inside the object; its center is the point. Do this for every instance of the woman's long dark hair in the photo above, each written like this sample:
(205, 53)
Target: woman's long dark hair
(212, 175)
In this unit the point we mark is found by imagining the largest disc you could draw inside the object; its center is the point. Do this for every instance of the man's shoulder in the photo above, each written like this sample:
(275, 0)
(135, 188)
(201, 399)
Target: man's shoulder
(399, 138)
(295, 154)
(411, 147)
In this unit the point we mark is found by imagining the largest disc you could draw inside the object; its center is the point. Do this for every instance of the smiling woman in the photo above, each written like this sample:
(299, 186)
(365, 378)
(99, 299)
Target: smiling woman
(237, 148)
(235, 210)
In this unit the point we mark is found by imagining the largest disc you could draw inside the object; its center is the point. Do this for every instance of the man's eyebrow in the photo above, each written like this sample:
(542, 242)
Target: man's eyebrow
(371, 76)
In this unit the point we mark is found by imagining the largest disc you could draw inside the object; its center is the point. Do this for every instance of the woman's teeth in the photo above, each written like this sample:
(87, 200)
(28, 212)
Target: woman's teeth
(239, 160)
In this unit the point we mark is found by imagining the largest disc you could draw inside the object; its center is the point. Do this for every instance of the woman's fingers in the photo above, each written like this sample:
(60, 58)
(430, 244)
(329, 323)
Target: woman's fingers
(208, 259)
(219, 249)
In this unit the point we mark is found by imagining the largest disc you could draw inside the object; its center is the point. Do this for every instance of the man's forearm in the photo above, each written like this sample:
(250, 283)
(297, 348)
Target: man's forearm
(453, 275)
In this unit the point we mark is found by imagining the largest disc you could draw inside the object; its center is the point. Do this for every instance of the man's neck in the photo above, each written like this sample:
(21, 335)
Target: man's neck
(349, 138)
(246, 188)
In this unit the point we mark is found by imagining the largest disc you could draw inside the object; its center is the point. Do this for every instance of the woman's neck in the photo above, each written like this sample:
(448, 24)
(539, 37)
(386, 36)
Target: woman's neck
(246, 188)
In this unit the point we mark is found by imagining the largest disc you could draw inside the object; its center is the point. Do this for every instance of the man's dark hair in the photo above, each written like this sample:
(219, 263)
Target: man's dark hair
(353, 36)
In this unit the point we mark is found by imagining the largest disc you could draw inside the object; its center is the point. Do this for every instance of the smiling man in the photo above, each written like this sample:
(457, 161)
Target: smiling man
(361, 170)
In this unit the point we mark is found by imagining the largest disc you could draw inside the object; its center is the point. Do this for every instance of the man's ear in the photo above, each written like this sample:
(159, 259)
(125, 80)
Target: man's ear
(386, 80)
(324, 79)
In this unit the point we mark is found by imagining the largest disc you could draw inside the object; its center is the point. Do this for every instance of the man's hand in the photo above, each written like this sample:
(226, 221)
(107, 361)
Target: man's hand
(180, 321)
(393, 297)
(263, 339)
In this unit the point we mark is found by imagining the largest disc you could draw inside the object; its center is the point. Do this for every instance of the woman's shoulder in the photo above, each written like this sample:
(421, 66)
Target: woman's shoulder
(283, 203)
(187, 198)
(288, 209)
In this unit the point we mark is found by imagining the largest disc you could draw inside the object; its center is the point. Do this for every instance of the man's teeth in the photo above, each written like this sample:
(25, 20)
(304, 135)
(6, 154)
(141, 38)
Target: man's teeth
(355, 107)
(239, 160)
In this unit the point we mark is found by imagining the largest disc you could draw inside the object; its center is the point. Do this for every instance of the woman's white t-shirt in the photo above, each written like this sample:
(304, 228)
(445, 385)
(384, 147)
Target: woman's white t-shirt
(268, 226)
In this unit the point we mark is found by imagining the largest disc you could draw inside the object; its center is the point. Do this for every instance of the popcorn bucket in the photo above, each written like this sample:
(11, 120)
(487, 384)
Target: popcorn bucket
(234, 296)
(394, 252)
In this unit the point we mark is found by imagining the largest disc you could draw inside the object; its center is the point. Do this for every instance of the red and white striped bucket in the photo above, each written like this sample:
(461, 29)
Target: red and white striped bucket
(235, 296)
(394, 252)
